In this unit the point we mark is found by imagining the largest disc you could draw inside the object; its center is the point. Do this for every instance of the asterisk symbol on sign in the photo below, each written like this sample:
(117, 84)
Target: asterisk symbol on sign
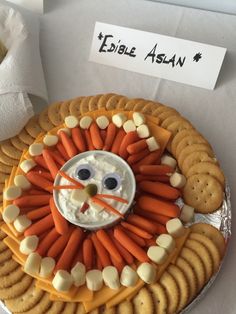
(197, 57)
(100, 36)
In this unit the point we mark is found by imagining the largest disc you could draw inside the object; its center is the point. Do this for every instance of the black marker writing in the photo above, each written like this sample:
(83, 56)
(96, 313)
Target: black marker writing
(109, 46)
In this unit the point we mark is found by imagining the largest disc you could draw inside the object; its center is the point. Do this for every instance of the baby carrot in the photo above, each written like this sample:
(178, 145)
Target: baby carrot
(152, 216)
(68, 144)
(32, 200)
(155, 170)
(38, 180)
(117, 141)
(60, 222)
(36, 192)
(95, 136)
(40, 161)
(62, 151)
(57, 157)
(47, 241)
(151, 242)
(112, 197)
(106, 206)
(38, 213)
(40, 226)
(160, 189)
(130, 245)
(103, 134)
(118, 265)
(148, 160)
(101, 251)
(142, 223)
(137, 147)
(99, 263)
(109, 245)
(88, 253)
(68, 178)
(140, 232)
(137, 239)
(128, 139)
(52, 166)
(162, 178)
(154, 205)
(78, 139)
(70, 250)
(59, 245)
(78, 257)
(89, 140)
(111, 133)
(44, 174)
(132, 159)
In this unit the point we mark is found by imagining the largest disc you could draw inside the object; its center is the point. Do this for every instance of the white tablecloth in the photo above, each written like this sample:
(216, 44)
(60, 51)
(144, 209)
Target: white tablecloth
(66, 34)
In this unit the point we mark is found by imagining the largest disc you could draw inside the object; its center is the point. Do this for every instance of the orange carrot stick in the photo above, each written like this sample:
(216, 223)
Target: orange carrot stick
(57, 157)
(130, 245)
(132, 159)
(99, 263)
(32, 200)
(60, 222)
(88, 253)
(110, 137)
(137, 239)
(95, 136)
(109, 245)
(157, 206)
(152, 216)
(101, 251)
(145, 224)
(78, 139)
(112, 197)
(50, 163)
(70, 250)
(103, 134)
(59, 245)
(38, 180)
(68, 178)
(40, 226)
(128, 139)
(155, 170)
(47, 241)
(44, 174)
(140, 232)
(68, 144)
(151, 242)
(89, 140)
(40, 161)
(78, 257)
(117, 141)
(118, 265)
(38, 213)
(62, 151)
(36, 192)
(140, 178)
(160, 189)
(137, 147)
(106, 206)
(152, 158)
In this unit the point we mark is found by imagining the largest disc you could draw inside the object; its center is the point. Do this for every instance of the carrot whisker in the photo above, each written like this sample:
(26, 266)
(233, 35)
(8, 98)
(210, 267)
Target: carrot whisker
(67, 177)
(113, 197)
(106, 206)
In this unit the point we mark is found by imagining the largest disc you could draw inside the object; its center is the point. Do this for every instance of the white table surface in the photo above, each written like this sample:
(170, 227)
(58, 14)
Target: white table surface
(66, 33)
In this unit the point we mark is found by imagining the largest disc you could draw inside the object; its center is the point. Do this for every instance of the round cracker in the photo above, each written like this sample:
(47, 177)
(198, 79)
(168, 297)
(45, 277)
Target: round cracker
(131, 104)
(3, 246)
(103, 100)
(168, 113)
(122, 103)
(169, 120)
(159, 298)
(125, 307)
(69, 308)
(172, 291)
(178, 125)
(182, 283)
(179, 136)
(203, 192)
(204, 254)
(2, 233)
(9, 150)
(93, 102)
(25, 137)
(65, 109)
(195, 158)
(42, 306)
(33, 127)
(7, 267)
(16, 289)
(190, 276)
(3, 177)
(12, 278)
(84, 105)
(18, 144)
(44, 121)
(57, 307)
(5, 256)
(112, 102)
(189, 140)
(140, 105)
(4, 168)
(104, 310)
(149, 107)
(75, 106)
(2, 186)
(160, 109)
(54, 114)
(196, 263)
(212, 248)
(80, 309)
(207, 168)
(4, 159)
(212, 233)
(142, 302)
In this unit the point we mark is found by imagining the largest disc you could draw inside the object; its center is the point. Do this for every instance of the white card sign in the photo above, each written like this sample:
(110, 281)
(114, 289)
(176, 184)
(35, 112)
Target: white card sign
(157, 55)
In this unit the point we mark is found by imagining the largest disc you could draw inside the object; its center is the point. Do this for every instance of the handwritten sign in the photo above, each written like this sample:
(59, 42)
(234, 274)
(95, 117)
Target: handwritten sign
(157, 55)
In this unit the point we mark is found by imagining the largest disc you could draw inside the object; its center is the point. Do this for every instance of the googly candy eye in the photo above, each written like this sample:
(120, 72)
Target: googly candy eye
(112, 181)
(84, 172)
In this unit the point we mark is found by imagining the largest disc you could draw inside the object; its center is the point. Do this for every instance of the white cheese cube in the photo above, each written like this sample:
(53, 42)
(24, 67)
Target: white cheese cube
(102, 122)
(147, 272)
(94, 280)
(152, 144)
(71, 122)
(85, 122)
(32, 264)
(187, 213)
(36, 149)
(78, 197)
(128, 277)
(138, 118)
(12, 192)
(10, 213)
(62, 281)
(78, 274)
(169, 161)
(166, 241)
(22, 182)
(157, 254)
(177, 180)
(129, 126)
(119, 119)
(111, 277)
(175, 227)
(21, 223)
(29, 244)
(27, 165)
(50, 140)
(143, 131)
(47, 266)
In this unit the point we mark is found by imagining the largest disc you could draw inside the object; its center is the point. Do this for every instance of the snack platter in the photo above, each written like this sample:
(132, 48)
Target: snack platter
(130, 190)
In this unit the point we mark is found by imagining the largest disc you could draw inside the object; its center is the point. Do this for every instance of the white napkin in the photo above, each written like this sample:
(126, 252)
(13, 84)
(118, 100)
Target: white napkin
(21, 71)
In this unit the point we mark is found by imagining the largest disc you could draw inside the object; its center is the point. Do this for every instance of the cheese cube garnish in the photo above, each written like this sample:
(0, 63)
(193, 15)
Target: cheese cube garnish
(166, 241)
(78, 274)
(85, 122)
(10, 213)
(138, 118)
(157, 254)
(152, 144)
(27, 165)
(147, 272)
(94, 280)
(62, 281)
(71, 122)
(50, 140)
(102, 122)
(143, 131)
(119, 119)
(128, 277)
(12, 192)
(78, 197)
(32, 264)
(46, 267)
(111, 277)
(29, 244)
(175, 227)
(65, 130)
(21, 223)
(22, 182)
(36, 149)
(95, 207)
(187, 213)
(177, 180)
(129, 126)
(169, 161)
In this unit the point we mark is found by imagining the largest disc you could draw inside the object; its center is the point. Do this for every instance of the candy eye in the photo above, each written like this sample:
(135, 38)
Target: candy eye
(84, 172)
(112, 181)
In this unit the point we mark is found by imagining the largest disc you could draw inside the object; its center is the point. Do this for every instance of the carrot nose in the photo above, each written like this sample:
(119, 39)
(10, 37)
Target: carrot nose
(91, 189)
